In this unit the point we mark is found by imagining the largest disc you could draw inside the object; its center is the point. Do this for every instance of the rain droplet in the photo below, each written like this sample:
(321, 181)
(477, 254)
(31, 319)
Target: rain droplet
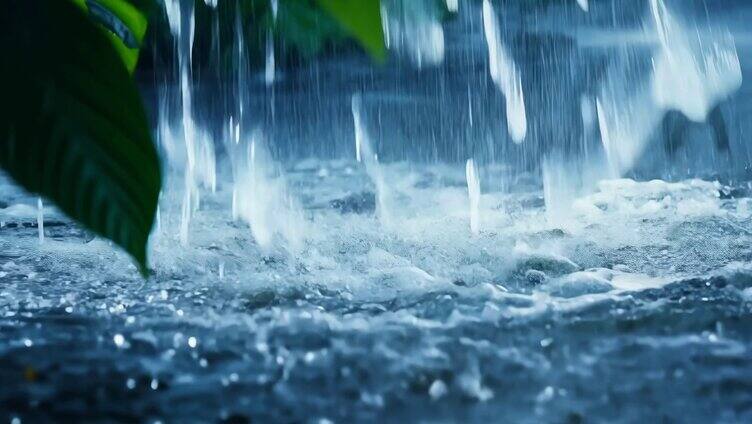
(119, 340)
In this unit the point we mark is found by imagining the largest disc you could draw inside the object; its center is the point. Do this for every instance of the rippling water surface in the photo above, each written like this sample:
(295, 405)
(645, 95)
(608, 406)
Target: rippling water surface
(637, 306)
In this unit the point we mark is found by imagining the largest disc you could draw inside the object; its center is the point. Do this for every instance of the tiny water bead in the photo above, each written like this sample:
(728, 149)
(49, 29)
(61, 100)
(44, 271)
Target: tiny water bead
(119, 340)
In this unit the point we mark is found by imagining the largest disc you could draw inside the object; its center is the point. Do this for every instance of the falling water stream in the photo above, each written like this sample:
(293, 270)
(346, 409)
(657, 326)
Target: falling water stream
(529, 213)
(473, 195)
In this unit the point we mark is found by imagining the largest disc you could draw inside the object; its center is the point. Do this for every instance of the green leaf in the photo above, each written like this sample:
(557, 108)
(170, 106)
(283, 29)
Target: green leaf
(123, 18)
(306, 27)
(80, 3)
(74, 129)
(362, 19)
(125, 22)
(129, 56)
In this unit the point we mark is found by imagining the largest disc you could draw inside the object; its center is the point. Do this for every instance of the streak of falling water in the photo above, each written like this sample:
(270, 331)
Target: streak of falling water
(241, 68)
(275, 8)
(473, 193)
(365, 153)
(270, 60)
(237, 116)
(158, 221)
(359, 132)
(269, 70)
(40, 219)
(561, 186)
(505, 75)
(172, 9)
(589, 119)
(200, 167)
(626, 117)
(185, 47)
(413, 28)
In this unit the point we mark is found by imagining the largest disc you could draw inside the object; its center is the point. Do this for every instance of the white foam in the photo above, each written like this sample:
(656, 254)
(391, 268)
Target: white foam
(631, 199)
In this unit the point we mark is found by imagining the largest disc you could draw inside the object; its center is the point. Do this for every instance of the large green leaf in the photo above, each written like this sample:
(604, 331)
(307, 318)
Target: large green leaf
(73, 127)
(125, 22)
(124, 18)
(362, 19)
(306, 27)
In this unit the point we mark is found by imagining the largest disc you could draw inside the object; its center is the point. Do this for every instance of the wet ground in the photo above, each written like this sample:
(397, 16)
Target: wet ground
(636, 305)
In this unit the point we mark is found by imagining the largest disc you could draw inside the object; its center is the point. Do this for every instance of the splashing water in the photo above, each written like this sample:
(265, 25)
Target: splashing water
(626, 118)
(262, 199)
(391, 282)
(369, 158)
(690, 74)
